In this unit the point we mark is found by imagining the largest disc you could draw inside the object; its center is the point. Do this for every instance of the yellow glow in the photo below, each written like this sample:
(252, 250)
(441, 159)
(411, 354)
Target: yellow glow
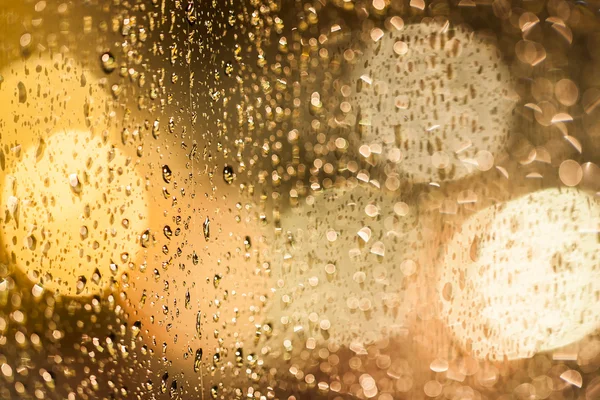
(523, 277)
(70, 203)
(225, 284)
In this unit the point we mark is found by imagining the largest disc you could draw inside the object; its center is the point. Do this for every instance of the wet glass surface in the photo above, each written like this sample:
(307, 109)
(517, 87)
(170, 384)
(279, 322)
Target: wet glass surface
(339, 199)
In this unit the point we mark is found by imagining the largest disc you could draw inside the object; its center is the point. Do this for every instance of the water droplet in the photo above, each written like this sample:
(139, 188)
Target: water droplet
(83, 232)
(80, 286)
(108, 62)
(217, 280)
(231, 18)
(199, 324)
(171, 125)
(206, 228)
(156, 129)
(239, 357)
(198, 360)
(113, 267)
(73, 181)
(163, 383)
(228, 68)
(166, 173)
(22, 92)
(135, 329)
(167, 231)
(187, 299)
(228, 174)
(96, 276)
(173, 388)
(145, 238)
(191, 13)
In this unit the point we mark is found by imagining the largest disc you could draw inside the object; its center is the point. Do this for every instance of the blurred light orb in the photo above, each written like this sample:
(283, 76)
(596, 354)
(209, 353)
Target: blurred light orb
(523, 277)
(73, 206)
(444, 99)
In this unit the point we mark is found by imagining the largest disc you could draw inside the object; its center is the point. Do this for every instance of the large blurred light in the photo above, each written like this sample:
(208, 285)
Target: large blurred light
(523, 277)
(72, 205)
(441, 96)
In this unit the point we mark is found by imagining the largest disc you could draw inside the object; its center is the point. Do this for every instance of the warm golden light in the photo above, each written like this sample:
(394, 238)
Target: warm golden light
(261, 199)
(75, 211)
(73, 205)
(523, 277)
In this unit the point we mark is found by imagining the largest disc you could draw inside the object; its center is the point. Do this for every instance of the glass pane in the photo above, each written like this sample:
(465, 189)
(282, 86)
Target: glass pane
(379, 199)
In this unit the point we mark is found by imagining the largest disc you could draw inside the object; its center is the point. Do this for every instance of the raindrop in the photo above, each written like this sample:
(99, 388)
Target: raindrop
(191, 13)
(135, 329)
(156, 129)
(239, 357)
(96, 276)
(145, 238)
(206, 229)
(167, 231)
(22, 92)
(108, 62)
(74, 181)
(163, 383)
(113, 267)
(173, 388)
(228, 174)
(80, 286)
(198, 360)
(199, 324)
(187, 299)
(228, 68)
(166, 173)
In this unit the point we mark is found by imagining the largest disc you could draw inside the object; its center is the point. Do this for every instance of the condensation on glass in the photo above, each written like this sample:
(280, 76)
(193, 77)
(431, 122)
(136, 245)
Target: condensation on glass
(292, 199)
